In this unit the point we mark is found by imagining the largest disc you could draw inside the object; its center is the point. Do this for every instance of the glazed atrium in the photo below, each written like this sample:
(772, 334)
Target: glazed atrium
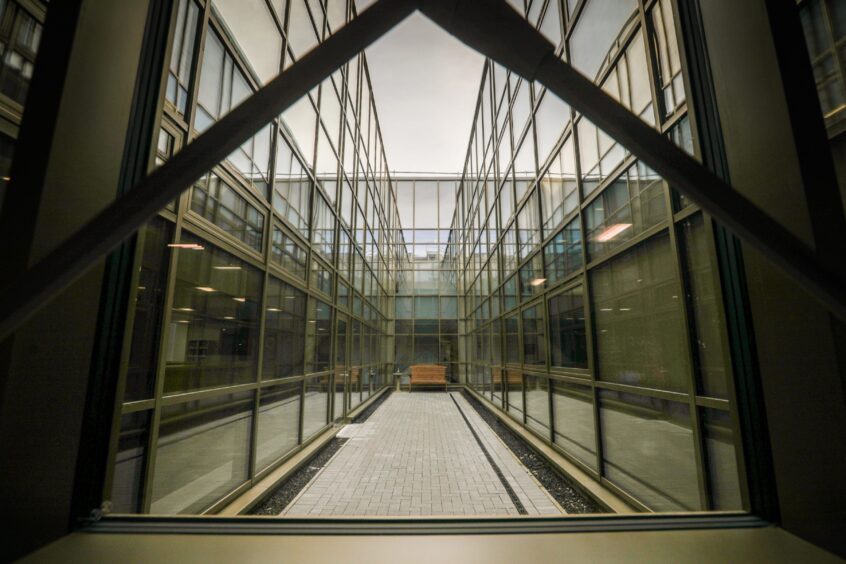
(232, 330)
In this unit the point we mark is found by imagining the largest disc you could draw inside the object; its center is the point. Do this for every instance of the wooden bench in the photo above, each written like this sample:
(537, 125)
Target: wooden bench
(513, 377)
(426, 375)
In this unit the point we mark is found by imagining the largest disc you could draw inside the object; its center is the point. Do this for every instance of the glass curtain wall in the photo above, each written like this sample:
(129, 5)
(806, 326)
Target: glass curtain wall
(588, 286)
(426, 305)
(265, 270)
(21, 24)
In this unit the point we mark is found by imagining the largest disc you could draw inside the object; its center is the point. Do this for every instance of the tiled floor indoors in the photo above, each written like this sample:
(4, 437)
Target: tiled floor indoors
(416, 455)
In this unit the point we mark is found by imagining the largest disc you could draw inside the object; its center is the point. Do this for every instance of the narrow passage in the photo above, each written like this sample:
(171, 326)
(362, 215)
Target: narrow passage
(417, 455)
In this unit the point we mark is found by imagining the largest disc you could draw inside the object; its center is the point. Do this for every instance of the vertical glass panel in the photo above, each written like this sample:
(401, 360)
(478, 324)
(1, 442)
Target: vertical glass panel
(425, 204)
(449, 307)
(531, 277)
(203, 452)
(506, 203)
(212, 339)
(567, 329)
(323, 232)
(723, 477)
(598, 26)
(572, 414)
(149, 307)
(512, 340)
(404, 308)
(215, 200)
(318, 336)
(550, 27)
(315, 405)
(537, 403)
(558, 188)
(630, 205)
(563, 255)
(288, 254)
(639, 333)
(20, 52)
(302, 36)
(321, 278)
(702, 296)
(510, 293)
(405, 204)
(647, 446)
(181, 55)
(222, 84)
(514, 393)
(534, 337)
(446, 199)
(251, 23)
(291, 188)
(425, 349)
(128, 472)
(551, 118)
(284, 332)
(301, 119)
(528, 227)
(278, 422)
(521, 109)
(669, 61)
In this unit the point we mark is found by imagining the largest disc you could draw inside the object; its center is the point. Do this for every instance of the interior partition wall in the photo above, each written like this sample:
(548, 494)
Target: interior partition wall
(589, 287)
(261, 297)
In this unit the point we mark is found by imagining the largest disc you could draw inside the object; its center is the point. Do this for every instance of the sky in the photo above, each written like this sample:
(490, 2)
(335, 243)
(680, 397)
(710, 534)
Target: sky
(425, 84)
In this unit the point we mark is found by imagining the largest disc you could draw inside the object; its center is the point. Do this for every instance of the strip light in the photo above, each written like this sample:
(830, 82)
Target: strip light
(612, 231)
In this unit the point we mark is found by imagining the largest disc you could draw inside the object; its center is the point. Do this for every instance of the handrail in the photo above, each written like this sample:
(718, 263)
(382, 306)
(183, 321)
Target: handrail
(498, 32)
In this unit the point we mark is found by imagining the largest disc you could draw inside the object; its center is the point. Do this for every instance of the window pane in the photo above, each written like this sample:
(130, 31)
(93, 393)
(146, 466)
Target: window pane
(563, 255)
(278, 422)
(202, 452)
(572, 408)
(315, 405)
(284, 334)
(722, 459)
(639, 334)
(559, 196)
(215, 200)
(255, 33)
(647, 446)
(212, 339)
(597, 28)
(534, 338)
(567, 329)
(537, 404)
(127, 480)
(710, 357)
(288, 254)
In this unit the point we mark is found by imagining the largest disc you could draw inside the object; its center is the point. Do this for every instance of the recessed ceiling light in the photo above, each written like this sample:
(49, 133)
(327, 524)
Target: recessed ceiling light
(228, 317)
(226, 267)
(273, 309)
(612, 231)
(183, 309)
(242, 300)
(204, 288)
(537, 281)
(188, 246)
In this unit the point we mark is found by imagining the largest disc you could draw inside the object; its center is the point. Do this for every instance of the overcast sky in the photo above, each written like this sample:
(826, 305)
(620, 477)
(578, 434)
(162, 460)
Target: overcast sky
(425, 84)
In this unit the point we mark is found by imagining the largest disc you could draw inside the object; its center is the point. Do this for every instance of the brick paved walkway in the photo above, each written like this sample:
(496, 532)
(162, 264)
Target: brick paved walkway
(416, 456)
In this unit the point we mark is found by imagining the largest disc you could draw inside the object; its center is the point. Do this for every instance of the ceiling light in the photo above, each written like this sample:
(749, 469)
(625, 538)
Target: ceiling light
(183, 309)
(204, 288)
(242, 300)
(226, 267)
(612, 231)
(273, 309)
(625, 309)
(189, 246)
(183, 321)
(228, 317)
(606, 309)
(537, 281)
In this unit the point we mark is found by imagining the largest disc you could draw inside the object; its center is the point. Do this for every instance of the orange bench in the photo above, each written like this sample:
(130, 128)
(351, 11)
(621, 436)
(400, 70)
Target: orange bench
(427, 374)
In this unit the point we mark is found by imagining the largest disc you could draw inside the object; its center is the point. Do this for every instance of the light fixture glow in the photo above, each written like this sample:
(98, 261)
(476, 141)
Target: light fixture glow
(537, 281)
(612, 231)
(273, 309)
(625, 309)
(204, 288)
(183, 321)
(606, 309)
(228, 317)
(188, 246)
(183, 309)
(226, 267)
(242, 300)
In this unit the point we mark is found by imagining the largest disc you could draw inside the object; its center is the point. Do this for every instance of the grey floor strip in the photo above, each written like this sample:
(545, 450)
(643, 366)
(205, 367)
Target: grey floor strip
(511, 493)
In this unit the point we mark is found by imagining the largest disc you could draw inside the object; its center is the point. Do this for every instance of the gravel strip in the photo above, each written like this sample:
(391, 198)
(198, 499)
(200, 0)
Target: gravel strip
(276, 502)
(557, 485)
